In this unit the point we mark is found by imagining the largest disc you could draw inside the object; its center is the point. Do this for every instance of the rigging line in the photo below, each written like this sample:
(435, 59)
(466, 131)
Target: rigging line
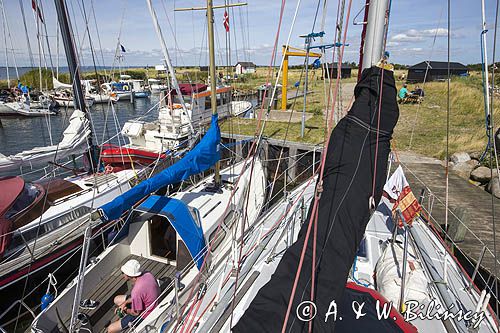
(10, 39)
(47, 38)
(92, 51)
(30, 53)
(425, 79)
(99, 41)
(176, 44)
(275, 178)
(340, 24)
(115, 57)
(45, 202)
(448, 107)
(259, 131)
(277, 169)
(495, 151)
(6, 49)
(250, 152)
(317, 194)
(234, 35)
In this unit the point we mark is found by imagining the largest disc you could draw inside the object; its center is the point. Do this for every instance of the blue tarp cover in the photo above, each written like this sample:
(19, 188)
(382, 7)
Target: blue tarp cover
(200, 158)
(180, 218)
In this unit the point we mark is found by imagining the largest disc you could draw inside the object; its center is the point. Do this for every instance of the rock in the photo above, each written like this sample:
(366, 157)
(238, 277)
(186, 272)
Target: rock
(458, 158)
(463, 169)
(476, 155)
(473, 163)
(481, 174)
(494, 188)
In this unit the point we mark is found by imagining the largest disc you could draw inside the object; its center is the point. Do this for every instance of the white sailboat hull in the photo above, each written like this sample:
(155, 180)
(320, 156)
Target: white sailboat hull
(210, 207)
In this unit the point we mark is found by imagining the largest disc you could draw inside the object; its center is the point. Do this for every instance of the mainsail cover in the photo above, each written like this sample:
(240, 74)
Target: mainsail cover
(74, 141)
(200, 158)
(342, 216)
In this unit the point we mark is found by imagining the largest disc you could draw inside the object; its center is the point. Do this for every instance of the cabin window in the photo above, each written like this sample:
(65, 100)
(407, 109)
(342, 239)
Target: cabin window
(215, 241)
(163, 238)
(26, 198)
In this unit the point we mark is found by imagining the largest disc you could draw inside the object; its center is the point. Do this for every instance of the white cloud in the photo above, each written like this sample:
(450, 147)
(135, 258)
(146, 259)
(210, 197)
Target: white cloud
(414, 35)
(404, 37)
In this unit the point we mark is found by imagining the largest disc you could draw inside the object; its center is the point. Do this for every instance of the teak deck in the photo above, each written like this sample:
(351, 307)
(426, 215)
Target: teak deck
(115, 284)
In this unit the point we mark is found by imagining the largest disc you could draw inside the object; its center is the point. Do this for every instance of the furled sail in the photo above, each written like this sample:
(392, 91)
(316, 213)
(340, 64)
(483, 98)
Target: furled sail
(74, 141)
(204, 155)
(343, 213)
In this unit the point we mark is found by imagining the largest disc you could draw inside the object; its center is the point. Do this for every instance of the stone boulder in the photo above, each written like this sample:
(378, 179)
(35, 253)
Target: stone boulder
(465, 168)
(458, 158)
(476, 155)
(481, 174)
(493, 187)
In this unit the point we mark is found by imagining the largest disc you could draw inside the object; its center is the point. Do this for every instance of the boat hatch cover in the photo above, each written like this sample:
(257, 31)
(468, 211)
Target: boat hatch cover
(11, 188)
(179, 216)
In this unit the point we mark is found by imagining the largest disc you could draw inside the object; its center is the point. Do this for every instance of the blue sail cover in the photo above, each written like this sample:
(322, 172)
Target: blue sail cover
(180, 218)
(200, 158)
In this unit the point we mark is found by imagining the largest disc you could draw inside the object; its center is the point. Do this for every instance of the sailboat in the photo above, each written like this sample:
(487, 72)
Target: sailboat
(349, 268)
(42, 221)
(183, 111)
(177, 237)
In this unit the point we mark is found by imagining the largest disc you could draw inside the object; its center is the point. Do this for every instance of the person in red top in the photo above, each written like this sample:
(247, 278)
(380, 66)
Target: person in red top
(142, 299)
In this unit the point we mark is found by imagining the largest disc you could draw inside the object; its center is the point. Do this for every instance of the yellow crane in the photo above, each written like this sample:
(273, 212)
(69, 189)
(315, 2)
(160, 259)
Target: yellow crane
(289, 51)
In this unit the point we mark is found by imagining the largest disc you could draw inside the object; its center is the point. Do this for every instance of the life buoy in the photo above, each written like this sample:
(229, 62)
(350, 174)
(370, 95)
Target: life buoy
(177, 106)
(42, 98)
(125, 87)
(108, 169)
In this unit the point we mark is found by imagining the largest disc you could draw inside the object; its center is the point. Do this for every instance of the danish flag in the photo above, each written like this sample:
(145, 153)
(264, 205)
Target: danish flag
(226, 21)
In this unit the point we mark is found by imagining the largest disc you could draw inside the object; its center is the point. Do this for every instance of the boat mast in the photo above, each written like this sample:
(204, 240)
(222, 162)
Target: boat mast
(74, 71)
(69, 48)
(213, 77)
(167, 58)
(376, 27)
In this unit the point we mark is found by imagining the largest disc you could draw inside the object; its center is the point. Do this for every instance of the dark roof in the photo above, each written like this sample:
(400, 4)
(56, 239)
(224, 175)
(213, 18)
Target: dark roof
(344, 65)
(438, 65)
(246, 64)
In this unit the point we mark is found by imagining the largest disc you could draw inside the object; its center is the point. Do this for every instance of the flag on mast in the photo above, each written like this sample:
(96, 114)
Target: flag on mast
(226, 21)
(37, 10)
(122, 48)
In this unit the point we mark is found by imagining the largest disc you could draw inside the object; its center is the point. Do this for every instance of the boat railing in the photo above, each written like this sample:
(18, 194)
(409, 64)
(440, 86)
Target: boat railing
(429, 206)
(21, 302)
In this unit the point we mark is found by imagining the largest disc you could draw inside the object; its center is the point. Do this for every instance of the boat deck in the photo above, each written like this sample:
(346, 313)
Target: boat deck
(115, 284)
(476, 201)
(65, 239)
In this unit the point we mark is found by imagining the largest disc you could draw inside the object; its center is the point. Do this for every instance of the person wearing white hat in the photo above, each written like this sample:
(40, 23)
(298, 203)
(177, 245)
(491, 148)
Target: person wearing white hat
(142, 298)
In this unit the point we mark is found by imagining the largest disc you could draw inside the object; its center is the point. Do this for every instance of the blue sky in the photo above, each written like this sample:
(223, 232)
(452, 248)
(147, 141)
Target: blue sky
(413, 26)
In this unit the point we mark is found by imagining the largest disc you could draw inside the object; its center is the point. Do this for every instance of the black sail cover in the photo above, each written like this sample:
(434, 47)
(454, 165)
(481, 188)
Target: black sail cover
(342, 217)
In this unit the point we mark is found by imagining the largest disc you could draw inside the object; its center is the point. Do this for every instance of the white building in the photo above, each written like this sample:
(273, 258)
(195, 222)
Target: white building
(244, 67)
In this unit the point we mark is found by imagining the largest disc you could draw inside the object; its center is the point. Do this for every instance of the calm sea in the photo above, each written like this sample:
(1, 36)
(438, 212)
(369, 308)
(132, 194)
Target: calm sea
(18, 134)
